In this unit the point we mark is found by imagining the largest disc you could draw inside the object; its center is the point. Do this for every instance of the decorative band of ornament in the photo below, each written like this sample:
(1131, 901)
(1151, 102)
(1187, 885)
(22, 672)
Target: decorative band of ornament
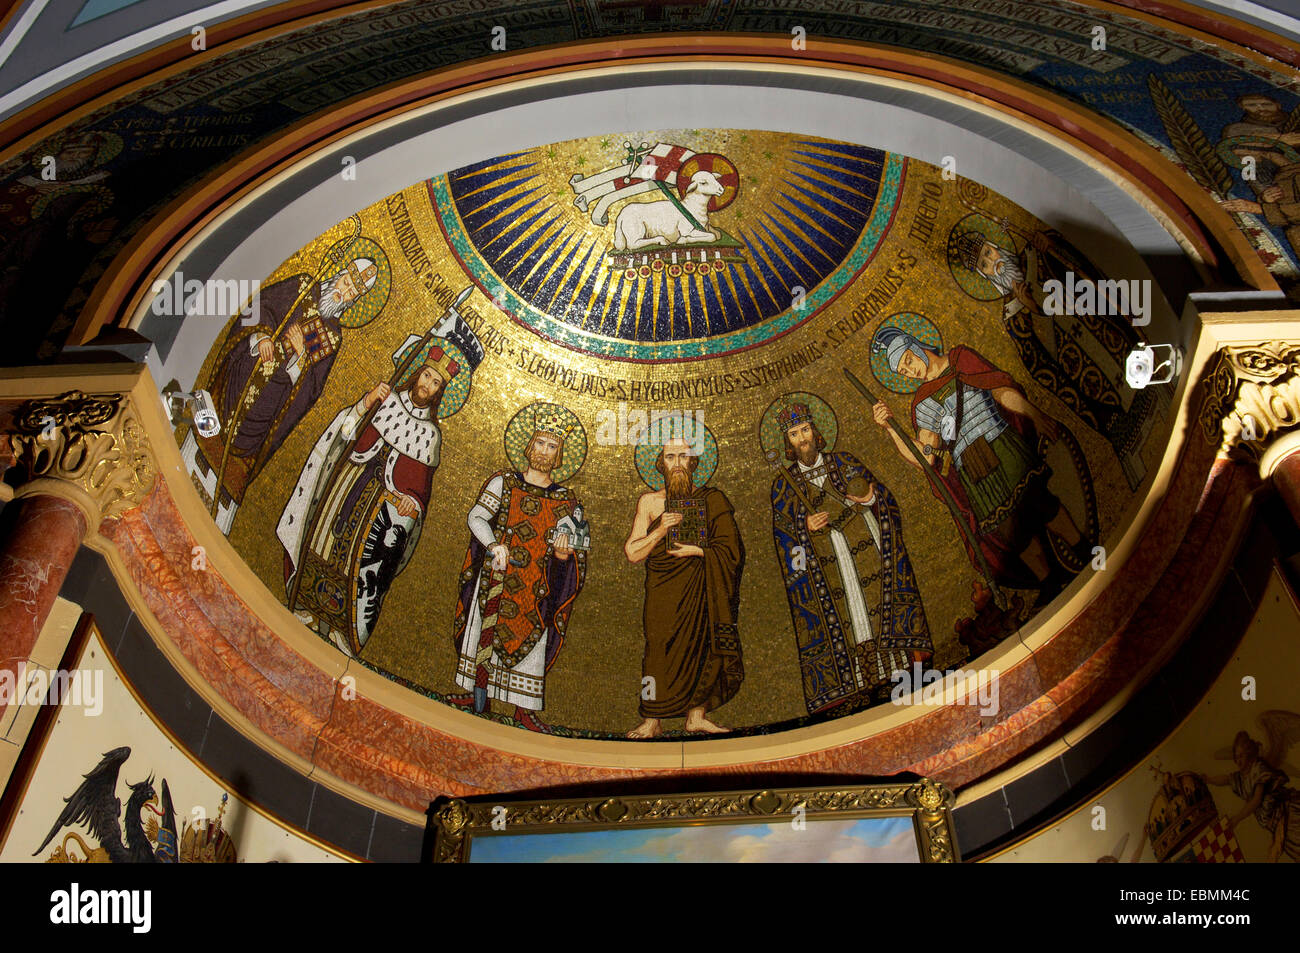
(549, 327)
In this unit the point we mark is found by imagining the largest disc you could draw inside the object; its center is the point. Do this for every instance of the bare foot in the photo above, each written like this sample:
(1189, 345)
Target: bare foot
(695, 721)
(647, 729)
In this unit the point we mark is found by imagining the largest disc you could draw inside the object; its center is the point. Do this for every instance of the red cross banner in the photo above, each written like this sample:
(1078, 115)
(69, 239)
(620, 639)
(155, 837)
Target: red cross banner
(641, 174)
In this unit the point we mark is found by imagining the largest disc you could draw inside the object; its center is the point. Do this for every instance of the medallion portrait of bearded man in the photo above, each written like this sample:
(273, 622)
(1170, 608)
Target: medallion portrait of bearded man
(685, 534)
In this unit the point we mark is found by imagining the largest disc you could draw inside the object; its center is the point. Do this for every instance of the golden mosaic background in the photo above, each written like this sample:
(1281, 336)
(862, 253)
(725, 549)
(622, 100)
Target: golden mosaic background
(595, 680)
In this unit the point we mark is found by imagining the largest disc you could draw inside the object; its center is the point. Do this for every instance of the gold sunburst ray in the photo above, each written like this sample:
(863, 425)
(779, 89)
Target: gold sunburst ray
(812, 188)
(632, 300)
(540, 235)
(843, 186)
(544, 263)
(522, 176)
(736, 296)
(528, 230)
(513, 208)
(760, 249)
(602, 292)
(827, 160)
(704, 301)
(752, 245)
(685, 291)
(813, 179)
(562, 259)
(595, 273)
(578, 263)
(660, 281)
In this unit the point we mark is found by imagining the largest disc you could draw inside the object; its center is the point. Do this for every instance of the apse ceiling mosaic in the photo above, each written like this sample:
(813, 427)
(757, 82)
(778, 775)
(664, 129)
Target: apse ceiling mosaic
(674, 433)
(811, 217)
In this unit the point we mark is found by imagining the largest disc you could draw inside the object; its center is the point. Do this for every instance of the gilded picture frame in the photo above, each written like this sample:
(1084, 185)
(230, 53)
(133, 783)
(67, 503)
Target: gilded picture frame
(890, 822)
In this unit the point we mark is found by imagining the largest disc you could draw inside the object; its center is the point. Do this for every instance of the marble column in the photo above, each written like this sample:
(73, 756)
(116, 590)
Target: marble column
(44, 535)
(79, 459)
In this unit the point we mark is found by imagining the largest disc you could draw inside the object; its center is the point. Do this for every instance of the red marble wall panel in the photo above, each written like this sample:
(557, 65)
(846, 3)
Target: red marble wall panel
(396, 757)
(232, 649)
(44, 537)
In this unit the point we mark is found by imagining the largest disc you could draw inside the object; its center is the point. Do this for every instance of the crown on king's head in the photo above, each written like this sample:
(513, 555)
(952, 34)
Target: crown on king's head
(792, 415)
(442, 362)
(552, 422)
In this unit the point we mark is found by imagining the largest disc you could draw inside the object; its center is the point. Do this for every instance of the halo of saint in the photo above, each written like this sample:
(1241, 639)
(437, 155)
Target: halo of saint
(371, 301)
(646, 454)
(918, 326)
(528, 420)
(964, 242)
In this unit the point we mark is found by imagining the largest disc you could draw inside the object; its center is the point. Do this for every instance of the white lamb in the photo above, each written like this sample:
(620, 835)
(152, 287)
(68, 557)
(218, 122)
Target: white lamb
(642, 224)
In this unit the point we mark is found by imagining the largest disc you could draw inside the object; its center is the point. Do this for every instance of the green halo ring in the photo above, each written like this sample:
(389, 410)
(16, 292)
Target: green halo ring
(971, 281)
(371, 302)
(1260, 143)
(107, 147)
(456, 392)
(520, 431)
(772, 436)
(917, 325)
(647, 453)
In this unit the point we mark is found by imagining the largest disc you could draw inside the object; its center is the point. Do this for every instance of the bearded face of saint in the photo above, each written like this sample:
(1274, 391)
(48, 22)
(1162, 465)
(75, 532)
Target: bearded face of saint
(76, 158)
(425, 386)
(999, 266)
(1262, 109)
(677, 465)
(332, 299)
(544, 452)
(338, 293)
(803, 442)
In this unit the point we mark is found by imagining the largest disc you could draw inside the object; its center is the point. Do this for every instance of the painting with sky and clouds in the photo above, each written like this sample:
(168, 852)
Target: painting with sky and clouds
(878, 840)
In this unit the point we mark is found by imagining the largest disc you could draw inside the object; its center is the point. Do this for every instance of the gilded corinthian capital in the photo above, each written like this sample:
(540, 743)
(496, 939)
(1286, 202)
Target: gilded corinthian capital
(1252, 398)
(88, 448)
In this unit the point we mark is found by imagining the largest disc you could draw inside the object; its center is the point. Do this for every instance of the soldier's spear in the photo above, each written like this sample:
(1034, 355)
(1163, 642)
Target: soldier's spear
(943, 489)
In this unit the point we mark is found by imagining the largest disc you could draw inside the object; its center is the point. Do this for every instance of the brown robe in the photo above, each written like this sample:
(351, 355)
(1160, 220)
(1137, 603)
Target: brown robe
(1284, 213)
(692, 644)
